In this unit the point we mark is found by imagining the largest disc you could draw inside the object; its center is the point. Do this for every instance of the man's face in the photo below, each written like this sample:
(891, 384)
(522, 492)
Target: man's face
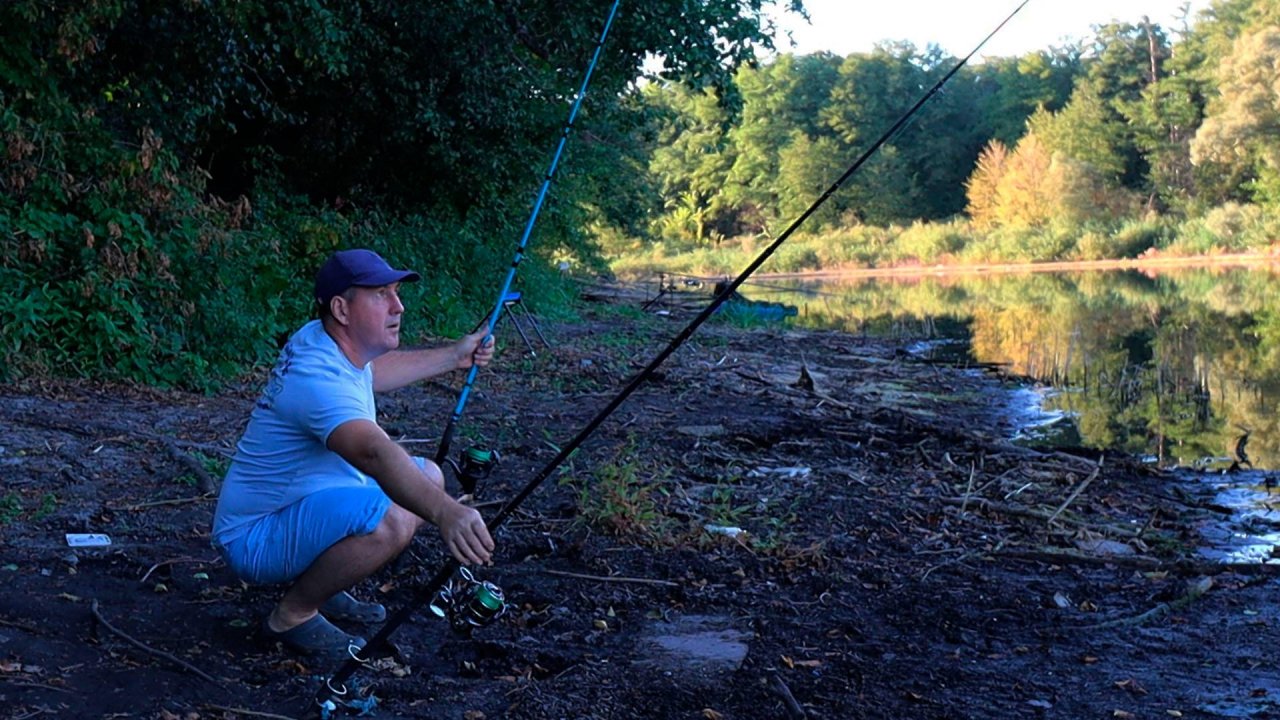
(373, 318)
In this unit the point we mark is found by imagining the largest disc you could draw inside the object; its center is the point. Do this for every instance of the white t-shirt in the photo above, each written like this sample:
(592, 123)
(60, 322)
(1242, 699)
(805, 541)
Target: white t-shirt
(282, 456)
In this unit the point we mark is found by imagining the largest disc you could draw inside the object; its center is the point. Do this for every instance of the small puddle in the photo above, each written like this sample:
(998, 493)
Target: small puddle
(1254, 707)
(704, 642)
(1252, 533)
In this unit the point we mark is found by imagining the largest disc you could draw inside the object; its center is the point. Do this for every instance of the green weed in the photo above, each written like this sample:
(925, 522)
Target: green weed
(622, 497)
(48, 504)
(10, 508)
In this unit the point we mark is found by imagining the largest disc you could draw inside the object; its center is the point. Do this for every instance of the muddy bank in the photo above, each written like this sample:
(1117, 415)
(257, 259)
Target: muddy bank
(781, 524)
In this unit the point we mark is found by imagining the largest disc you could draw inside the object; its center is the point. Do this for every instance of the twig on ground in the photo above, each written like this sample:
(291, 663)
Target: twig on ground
(1076, 493)
(612, 578)
(1020, 511)
(143, 646)
(1194, 590)
(968, 491)
(957, 560)
(158, 503)
(1066, 556)
(42, 686)
(794, 711)
(206, 483)
(175, 561)
(21, 626)
(250, 713)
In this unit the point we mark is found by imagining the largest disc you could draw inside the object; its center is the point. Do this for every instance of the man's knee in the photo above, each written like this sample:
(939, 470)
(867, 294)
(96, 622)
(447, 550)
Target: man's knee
(399, 525)
(433, 473)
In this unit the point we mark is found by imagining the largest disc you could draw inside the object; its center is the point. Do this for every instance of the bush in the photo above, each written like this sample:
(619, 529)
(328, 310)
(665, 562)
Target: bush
(927, 242)
(1231, 227)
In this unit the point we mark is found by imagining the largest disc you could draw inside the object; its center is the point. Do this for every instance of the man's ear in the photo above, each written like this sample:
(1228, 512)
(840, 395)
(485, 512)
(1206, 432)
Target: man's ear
(339, 309)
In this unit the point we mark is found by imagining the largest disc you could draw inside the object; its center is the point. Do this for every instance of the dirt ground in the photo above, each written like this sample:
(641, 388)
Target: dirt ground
(782, 524)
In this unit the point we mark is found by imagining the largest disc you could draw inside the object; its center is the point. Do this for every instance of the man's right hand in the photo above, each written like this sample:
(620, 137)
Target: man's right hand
(465, 534)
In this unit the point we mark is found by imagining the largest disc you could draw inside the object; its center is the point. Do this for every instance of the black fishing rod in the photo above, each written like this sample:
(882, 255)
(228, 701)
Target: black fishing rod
(429, 593)
(476, 463)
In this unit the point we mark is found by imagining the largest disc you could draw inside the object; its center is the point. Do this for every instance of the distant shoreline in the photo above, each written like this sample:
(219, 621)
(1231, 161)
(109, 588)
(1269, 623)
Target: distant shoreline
(1147, 263)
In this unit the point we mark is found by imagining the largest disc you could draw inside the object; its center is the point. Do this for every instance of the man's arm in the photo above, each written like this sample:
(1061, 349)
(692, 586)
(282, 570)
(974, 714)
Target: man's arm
(399, 368)
(363, 444)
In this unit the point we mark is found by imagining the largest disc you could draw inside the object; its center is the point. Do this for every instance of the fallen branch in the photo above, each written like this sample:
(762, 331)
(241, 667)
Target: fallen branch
(206, 483)
(1194, 590)
(1075, 494)
(158, 503)
(794, 711)
(15, 624)
(1066, 556)
(42, 686)
(612, 578)
(1021, 511)
(250, 713)
(146, 648)
(175, 561)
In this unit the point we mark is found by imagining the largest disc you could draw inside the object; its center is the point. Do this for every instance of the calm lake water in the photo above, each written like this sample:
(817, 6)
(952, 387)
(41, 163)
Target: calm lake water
(1180, 366)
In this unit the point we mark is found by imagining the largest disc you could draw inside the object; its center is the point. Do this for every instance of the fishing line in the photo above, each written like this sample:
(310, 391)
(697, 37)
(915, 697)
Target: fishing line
(334, 686)
(446, 437)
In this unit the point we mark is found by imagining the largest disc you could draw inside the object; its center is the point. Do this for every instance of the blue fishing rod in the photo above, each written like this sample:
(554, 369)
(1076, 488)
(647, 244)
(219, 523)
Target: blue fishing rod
(470, 602)
(477, 463)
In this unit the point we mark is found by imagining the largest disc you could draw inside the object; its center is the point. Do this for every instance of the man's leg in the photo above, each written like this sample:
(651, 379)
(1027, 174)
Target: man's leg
(349, 561)
(344, 564)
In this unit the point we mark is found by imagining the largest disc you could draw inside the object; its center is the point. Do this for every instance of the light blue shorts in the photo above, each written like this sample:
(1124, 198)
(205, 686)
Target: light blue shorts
(280, 546)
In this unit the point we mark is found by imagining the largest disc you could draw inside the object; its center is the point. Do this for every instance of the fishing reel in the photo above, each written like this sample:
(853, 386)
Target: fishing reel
(476, 464)
(468, 603)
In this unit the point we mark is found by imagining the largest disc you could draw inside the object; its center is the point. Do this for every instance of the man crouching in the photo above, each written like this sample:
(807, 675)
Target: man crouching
(318, 495)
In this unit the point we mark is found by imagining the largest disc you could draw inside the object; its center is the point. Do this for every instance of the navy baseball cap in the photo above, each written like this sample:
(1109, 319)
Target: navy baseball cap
(356, 268)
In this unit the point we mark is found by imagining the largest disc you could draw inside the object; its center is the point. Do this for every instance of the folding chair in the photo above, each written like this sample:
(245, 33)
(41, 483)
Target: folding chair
(515, 299)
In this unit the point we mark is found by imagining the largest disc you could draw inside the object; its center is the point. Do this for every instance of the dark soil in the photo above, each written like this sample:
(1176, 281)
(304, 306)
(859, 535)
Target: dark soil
(898, 557)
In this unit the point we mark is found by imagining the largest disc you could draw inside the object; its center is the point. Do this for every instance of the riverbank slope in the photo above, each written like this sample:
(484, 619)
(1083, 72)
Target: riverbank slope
(781, 524)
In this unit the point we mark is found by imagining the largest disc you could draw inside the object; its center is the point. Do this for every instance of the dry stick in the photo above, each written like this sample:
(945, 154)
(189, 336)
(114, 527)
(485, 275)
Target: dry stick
(158, 503)
(161, 564)
(42, 686)
(1194, 591)
(208, 486)
(1075, 494)
(957, 560)
(794, 711)
(615, 578)
(19, 625)
(1141, 562)
(968, 491)
(1021, 511)
(84, 428)
(142, 646)
(253, 713)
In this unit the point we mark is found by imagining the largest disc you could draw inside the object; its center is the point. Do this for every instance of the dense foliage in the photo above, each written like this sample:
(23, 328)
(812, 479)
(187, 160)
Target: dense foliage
(172, 172)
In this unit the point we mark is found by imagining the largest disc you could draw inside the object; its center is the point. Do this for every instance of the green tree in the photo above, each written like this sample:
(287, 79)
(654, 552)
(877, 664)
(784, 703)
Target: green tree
(1012, 88)
(1085, 130)
(778, 99)
(1242, 129)
(690, 158)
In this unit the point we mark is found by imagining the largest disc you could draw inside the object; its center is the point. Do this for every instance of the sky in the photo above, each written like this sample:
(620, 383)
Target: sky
(847, 26)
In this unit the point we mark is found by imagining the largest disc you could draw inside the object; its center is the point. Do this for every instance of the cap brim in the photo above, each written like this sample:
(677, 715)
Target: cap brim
(387, 278)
